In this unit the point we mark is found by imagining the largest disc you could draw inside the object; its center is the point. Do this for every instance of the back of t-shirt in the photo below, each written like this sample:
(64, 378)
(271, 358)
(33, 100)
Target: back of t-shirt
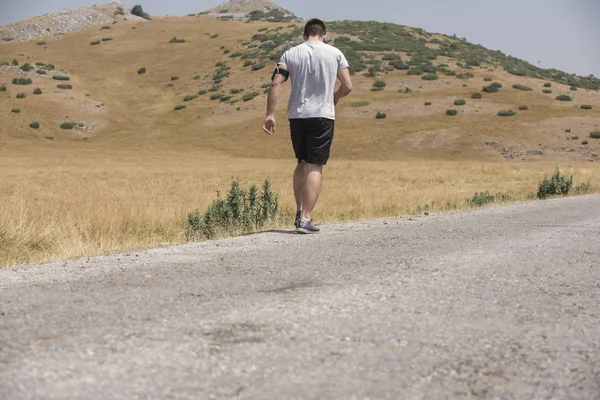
(313, 68)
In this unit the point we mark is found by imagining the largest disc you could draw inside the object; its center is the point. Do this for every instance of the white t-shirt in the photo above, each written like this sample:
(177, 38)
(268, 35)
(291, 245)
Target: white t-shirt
(313, 68)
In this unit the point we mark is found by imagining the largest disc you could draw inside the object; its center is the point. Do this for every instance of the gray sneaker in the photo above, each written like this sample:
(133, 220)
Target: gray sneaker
(306, 226)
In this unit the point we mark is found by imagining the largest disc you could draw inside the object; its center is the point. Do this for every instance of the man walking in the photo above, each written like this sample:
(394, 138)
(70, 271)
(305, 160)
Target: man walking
(313, 68)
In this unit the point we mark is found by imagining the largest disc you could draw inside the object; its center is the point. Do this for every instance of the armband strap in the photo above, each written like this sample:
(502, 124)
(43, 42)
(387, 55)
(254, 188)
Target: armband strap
(282, 72)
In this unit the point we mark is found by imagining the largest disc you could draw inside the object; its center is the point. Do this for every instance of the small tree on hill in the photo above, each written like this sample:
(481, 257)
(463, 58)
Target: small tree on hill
(138, 10)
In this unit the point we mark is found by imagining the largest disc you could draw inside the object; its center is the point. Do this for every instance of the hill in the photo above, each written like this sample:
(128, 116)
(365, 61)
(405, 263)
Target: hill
(111, 134)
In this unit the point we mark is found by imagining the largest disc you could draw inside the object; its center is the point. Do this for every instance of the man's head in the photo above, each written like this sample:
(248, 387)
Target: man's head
(315, 28)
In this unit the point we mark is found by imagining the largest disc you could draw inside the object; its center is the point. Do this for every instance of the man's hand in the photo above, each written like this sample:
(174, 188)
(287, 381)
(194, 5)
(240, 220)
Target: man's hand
(269, 125)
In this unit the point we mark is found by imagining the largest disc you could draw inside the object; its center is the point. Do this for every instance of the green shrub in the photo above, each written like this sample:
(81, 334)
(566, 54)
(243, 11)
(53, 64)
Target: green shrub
(497, 84)
(481, 199)
(241, 212)
(427, 103)
(223, 99)
(248, 63)
(214, 88)
(26, 67)
(584, 187)
(180, 107)
(250, 96)
(61, 78)
(40, 72)
(49, 67)
(64, 86)
(176, 40)
(190, 97)
(34, 125)
(574, 137)
(568, 130)
(585, 142)
(68, 125)
(586, 107)
(95, 42)
(49, 137)
(15, 110)
(37, 91)
(41, 43)
(216, 96)
(174, 78)
(380, 115)
(236, 91)
(262, 29)
(487, 79)
(142, 71)
(258, 66)
(574, 88)
(21, 81)
(564, 97)
(390, 57)
(451, 112)
(39, 64)
(506, 113)
(201, 92)
(20, 95)
(415, 71)
(523, 108)
(105, 27)
(547, 84)
(459, 102)
(15, 62)
(360, 104)
(556, 185)
(429, 77)
(2, 88)
(595, 135)
(379, 84)
(139, 11)
(547, 91)
(490, 89)
(3, 63)
(399, 65)
(376, 89)
(169, 85)
(476, 95)
(522, 87)
(107, 39)
(216, 35)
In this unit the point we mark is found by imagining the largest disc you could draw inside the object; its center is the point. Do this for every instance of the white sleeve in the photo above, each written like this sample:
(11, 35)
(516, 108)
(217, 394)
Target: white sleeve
(342, 62)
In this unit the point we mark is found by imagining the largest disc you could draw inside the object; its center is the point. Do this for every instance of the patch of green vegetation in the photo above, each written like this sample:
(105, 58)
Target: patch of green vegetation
(20, 95)
(139, 11)
(180, 107)
(522, 87)
(214, 36)
(427, 103)
(40, 72)
(556, 185)
(142, 71)
(190, 97)
(547, 91)
(595, 135)
(21, 81)
(34, 125)
(429, 77)
(216, 96)
(586, 107)
(240, 212)
(201, 92)
(106, 39)
(95, 43)
(236, 90)
(523, 108)
(61, 78)
(460, 102)
(506, 113)
(381, 115)
(360, 104)
(258, 66)
(64, 86)
(41, 43)
(487, 79)
(379, 84)
(174, 78)
(175, 39)
(37, 91)
(2, 88)
(15, 62)
(451, 112)
(15, 111)
(68, 125)
(476, 95)
(249, 96)
(49, 67)
(547, 84)
(491, 89)
(564, 97)
(26, 67)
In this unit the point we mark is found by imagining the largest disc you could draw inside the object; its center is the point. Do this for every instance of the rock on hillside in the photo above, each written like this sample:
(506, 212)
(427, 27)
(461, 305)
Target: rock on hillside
(262, 9)
(62, 21)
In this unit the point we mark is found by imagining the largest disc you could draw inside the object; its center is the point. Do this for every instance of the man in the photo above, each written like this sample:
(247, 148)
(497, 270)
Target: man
(313, 67)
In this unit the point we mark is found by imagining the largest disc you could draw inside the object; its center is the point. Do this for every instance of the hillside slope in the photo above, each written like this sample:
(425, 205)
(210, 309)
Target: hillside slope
(219, 69)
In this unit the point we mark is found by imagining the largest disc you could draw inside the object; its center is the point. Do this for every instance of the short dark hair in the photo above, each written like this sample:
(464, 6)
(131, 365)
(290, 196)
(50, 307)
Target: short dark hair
(315, 27)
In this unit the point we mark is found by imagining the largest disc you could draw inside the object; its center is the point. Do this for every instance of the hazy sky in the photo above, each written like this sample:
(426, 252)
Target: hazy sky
(562, 34)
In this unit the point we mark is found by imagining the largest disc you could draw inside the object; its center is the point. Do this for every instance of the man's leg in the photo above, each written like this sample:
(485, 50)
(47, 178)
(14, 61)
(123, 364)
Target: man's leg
(299, 181)
(312, 189)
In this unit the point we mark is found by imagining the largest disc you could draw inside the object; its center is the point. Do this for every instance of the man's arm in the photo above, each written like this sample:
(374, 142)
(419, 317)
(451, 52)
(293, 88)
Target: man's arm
(272, 99)
(345, 87)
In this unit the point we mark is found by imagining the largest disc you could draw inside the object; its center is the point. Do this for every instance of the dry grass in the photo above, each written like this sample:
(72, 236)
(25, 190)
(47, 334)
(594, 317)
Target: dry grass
(130, 181)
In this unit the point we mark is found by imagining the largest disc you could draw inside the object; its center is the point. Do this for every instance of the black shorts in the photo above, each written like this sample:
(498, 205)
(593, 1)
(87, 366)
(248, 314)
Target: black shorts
(311, 138)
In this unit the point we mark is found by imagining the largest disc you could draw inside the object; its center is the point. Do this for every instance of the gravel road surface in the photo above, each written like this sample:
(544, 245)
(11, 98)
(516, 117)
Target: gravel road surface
(497, 303)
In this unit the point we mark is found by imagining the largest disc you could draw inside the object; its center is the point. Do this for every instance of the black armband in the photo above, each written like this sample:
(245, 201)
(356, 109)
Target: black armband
(282, 72)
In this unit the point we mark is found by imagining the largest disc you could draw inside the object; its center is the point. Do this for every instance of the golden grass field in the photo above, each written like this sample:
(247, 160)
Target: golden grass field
(129, 180)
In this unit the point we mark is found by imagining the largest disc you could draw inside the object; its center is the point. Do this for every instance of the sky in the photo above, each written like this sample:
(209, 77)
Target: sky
(561, 34)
